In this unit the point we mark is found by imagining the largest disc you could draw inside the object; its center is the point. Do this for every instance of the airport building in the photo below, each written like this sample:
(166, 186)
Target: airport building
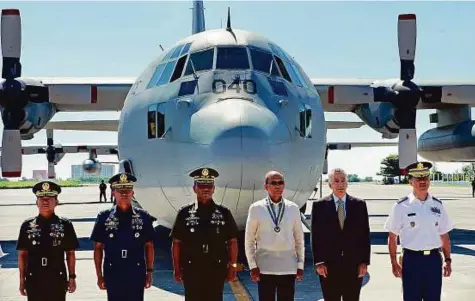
(40, 174)
(107, 171)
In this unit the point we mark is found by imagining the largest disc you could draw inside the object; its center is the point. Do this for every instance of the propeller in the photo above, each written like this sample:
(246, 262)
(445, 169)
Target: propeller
(410, 93)
(405, 94)
(50, 154)
(12, 95)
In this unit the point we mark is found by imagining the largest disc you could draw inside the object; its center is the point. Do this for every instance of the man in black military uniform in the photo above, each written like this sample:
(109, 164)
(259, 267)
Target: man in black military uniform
(42, 242)
(102, 191)
(123, 233)
(204, 246)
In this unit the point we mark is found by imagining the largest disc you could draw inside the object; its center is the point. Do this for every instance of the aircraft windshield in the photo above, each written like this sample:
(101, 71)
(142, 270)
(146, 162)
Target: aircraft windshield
(199, 61)
(232, 58)
(263, 61)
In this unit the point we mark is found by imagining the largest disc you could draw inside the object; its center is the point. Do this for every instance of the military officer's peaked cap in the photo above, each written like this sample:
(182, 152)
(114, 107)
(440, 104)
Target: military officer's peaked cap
(204, 176)
(46, 189)
(122, 181)
(419, 169)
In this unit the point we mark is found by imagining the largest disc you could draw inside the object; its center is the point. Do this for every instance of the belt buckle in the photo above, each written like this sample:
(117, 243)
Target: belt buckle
(44, 261)
(205, 249)
(124, 253)
(426, 252)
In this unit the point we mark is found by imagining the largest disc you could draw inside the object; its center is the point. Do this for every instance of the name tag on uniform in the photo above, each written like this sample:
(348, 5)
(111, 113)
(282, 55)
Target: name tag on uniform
(411, 214)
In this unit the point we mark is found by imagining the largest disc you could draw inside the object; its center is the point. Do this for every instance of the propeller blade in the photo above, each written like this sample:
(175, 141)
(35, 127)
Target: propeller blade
(407, 147)
(11, 154)
(51, 171)
(407, 33)
(11, 43)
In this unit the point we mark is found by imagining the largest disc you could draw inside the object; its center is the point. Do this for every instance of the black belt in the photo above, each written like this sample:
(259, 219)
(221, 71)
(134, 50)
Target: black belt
(422, 252)
(46, 263)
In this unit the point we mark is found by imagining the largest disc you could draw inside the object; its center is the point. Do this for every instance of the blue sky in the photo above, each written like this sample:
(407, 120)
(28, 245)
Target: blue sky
(329, 40)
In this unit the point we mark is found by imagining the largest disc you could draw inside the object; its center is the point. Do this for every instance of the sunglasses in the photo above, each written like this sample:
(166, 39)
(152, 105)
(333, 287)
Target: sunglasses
(276, 183)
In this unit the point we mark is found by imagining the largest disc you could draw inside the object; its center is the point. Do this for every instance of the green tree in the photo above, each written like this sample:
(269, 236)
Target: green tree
(353, 178)
(390, 167)
(468, 171)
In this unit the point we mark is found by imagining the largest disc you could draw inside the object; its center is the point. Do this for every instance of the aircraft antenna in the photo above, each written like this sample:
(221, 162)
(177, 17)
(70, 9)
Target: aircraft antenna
(161, 46)
(228, 27)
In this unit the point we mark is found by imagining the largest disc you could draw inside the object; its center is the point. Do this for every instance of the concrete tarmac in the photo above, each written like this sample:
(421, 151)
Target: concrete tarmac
(81, 206)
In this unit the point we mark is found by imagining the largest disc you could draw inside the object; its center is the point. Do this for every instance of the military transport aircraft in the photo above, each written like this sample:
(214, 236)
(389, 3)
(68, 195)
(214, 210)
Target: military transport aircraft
(226, 98)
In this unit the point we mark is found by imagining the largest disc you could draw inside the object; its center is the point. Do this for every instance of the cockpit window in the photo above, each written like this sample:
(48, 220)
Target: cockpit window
(232, 58)
(263, 61)
(305, 120)
(287, 65)
(185, 49)
(293, 74)
(179, 69)
(156, 76)
(167, 72)
(176, 52)
(200, 61)
(282, 68)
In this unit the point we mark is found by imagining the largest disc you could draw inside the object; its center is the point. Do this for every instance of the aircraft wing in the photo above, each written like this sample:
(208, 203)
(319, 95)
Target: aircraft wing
(86, 125)
(82, 94)
(344, 124)
(342, 95)
(350, 145)
(113, 125)
(60, 149)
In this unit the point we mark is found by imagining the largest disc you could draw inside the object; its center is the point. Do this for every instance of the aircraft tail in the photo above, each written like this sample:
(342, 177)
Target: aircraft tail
(198, 24)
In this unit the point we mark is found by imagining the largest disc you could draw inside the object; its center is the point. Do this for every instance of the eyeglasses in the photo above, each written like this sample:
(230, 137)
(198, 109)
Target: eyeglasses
(276, 183)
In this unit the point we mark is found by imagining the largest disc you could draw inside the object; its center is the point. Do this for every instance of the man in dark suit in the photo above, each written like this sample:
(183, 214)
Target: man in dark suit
(340, 240)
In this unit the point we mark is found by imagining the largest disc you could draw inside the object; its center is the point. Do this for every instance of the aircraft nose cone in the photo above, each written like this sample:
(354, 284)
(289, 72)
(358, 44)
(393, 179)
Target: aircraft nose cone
(235, 128)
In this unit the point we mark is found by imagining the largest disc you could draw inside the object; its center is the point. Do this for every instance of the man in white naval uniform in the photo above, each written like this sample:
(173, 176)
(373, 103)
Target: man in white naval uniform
(422, 224)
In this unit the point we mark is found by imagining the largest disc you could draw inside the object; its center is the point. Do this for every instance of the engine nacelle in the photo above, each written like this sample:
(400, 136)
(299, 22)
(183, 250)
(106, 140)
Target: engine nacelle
(37, 115)
(380, 117)
(453, 143)
(91, 166)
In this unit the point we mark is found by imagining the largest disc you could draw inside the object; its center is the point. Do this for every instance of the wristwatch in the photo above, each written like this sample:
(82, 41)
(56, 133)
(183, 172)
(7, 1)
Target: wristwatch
(234, 265)
(448, 260)
(72, 276)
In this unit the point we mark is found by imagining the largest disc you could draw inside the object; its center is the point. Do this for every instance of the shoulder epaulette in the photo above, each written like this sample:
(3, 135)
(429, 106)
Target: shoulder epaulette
(222, 207)
(185, 206)
(63, 219)
(437, 200)
(105, 212)
(403, 200)
(30, 219)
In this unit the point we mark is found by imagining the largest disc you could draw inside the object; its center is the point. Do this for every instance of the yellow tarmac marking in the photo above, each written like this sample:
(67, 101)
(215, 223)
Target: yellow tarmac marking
(239, 291)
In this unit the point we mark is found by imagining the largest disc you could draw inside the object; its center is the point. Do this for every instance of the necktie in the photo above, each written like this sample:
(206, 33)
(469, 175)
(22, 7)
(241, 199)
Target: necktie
(341, 213)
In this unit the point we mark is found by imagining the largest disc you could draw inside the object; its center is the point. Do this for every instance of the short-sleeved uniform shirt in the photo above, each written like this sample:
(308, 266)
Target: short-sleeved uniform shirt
(419, 224)
(47, 238)
(204, 231)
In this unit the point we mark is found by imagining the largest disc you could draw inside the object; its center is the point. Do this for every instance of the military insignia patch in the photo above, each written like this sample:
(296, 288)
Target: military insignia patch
(205, 172)
(413, 224)
(45, 186)
(123, 178)
(435, 210)
(420, 165)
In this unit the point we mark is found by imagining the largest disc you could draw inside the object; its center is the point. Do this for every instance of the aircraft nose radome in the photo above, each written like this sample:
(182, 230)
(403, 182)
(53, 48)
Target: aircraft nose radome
(237, 126)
